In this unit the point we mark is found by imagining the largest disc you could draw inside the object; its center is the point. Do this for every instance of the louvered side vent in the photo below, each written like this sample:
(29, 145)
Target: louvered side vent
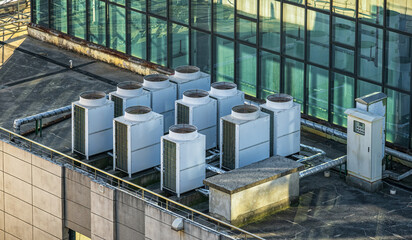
(229, 144)
(79, 129)
(118, 106)
(169, 164)
(270, 128)
(182, 114)
(121, 146)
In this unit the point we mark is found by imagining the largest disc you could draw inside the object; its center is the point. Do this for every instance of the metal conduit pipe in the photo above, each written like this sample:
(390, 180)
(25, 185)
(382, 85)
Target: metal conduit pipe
(18, 122)
(322, 167)
(319, 152)
(214, 169)
(342, 135)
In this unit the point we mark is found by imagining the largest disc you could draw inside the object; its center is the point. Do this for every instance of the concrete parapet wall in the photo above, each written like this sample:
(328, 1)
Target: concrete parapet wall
(100, 53)
(41, 199)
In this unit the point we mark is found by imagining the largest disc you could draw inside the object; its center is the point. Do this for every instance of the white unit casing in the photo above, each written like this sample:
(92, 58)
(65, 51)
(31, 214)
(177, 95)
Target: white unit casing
(163, 97)
(136, 140)
(364, 145)
(183, 153)
(198, 109)
(129, 94)
(92, 126)
(244, 137)
(374, 103)
(284, 124)
(227, 96)
(190, 77)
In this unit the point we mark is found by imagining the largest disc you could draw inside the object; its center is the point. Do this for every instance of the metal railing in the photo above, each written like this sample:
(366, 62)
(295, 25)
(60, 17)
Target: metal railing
(115, 181)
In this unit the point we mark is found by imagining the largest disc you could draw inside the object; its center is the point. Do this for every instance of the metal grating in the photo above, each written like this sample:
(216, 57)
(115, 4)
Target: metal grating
(118, 106)
(121, 146)
(182, 114)
(229, 145)
(169, 165)
(271, 134)
(79, 129)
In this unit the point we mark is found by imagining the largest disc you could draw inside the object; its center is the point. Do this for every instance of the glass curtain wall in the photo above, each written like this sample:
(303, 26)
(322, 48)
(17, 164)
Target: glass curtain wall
(324, 53)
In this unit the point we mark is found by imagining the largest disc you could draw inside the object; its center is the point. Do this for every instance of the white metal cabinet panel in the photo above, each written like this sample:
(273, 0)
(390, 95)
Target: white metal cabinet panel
(163, 99)
(145, 158)
(288, 144)
(146, 133)
(100, 118)
(192, 178)
(254, 132)
(253, 154)
(100, 142)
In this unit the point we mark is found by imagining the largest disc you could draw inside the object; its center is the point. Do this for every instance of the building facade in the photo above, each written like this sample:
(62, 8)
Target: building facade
(324, 53)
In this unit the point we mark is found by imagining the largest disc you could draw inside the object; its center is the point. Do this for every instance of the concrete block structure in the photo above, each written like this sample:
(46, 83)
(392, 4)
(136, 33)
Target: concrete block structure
(253, 191)
(41, 199)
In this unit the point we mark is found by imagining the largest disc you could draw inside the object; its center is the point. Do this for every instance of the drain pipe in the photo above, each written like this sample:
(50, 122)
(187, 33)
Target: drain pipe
(342, 135)
(322, 167)
(214, 169)
(18, 122)
(319, 153)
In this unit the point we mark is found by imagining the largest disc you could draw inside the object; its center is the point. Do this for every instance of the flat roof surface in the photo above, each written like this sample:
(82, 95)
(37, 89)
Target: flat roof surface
(253, 174)
(36, 78)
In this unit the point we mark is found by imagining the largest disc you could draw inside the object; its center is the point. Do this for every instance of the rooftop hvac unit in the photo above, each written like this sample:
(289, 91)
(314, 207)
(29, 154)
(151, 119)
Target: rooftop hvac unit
(92, 125)
(244, 137)
(227, 96)
(129, 94)
(136, 137)
(190, 77)
(183, 159)
(198, 109)
(284, 124)
(163, 98)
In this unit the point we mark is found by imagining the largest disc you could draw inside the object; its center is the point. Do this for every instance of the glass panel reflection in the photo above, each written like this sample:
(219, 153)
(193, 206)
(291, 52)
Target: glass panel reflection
(294, 30)
(247, 69)
(399, 15)
(117, 27)
(246, 30)
(343, 31)
(158, 41)
(138, 5)
(318, 92)
(59, 15)
(371, 11)
(97, 17)
(370, 52)
(41, 12)
(158, 7)
(77, 14)
(270, 24)
(224, 17)
(201, 50)
(294, 75)
(179, 10)
(399, 61)
(318, 38)
(180, 46)
(343, 59)
(224, 64)
(201, 13)
(247, 8)
(270, 73)
(137, 24)
(345, 7)
(321, 4)
(343, 97)
(397, 118)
